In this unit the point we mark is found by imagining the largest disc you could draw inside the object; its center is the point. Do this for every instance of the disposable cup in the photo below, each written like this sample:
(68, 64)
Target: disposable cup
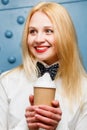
(44, 95)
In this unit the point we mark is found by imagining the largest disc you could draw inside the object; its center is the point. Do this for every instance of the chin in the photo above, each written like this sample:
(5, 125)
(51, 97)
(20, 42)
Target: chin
(42, 58)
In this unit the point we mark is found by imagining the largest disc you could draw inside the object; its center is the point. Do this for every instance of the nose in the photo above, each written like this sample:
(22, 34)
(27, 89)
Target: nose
(40, 37)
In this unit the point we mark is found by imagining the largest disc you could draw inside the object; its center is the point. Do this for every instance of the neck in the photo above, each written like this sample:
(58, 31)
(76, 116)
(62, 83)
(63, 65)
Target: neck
(47, 64)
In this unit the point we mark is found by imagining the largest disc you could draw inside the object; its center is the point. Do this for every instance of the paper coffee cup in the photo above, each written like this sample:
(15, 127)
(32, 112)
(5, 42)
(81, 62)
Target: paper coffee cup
(44, 90)
(44, 96)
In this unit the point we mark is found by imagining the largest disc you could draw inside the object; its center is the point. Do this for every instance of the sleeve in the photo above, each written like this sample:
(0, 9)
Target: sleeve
(4, 111)
(21, 126)
(3, 108)
(79, 122)
(82, 122)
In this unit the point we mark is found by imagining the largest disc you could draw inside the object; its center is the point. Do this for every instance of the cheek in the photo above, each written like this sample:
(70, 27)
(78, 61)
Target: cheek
(52, 41)
(54, 44)
(29, 41)
(55, 47)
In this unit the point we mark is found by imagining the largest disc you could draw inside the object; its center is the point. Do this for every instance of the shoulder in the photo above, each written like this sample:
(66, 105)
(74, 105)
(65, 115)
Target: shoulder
(12, 71)
(84, 88)
(13, 75)
(14, 80)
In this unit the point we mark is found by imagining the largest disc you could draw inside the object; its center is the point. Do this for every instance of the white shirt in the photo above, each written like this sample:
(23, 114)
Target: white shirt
(15, 89)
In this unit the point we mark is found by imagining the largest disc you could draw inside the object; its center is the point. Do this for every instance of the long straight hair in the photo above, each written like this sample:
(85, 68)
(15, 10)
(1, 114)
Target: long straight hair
(71, 69)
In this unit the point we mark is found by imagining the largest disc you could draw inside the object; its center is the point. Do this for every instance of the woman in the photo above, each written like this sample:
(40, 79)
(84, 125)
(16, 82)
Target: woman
(49, 39)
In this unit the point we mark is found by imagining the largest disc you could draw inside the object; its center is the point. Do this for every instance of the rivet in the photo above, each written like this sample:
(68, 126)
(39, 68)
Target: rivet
(8, 34)
(20, 19)
(12, 59)
(5, 2)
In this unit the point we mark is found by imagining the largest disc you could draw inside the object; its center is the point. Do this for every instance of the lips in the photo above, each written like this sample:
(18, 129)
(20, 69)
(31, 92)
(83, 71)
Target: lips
(41, 49)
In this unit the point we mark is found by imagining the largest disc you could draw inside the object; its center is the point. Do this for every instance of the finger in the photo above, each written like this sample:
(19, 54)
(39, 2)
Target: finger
(31, 108)
(51, 109)
(31, 119)
(46, 127)
(32, 126)
(32, 122)
(55, 103)
(29, 114)
(48, 114)
(31, 99)
(46, 120)
(30, 111)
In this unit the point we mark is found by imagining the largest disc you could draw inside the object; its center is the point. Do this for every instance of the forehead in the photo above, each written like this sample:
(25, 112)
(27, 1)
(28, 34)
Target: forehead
(40, 18)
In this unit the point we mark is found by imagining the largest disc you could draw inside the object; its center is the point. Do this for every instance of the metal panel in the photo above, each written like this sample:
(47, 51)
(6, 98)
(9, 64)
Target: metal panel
(12, 18)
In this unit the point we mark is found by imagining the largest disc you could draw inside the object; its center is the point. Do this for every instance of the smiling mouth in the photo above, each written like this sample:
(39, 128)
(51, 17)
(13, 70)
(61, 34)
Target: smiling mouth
(41, 49)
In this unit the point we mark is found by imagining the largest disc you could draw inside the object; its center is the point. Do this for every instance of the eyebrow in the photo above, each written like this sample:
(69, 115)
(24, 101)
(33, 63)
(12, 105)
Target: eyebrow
(44, 27)
(31, 27)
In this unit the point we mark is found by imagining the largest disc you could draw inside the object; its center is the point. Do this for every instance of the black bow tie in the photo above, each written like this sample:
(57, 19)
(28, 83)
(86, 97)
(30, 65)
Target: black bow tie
(52, 70)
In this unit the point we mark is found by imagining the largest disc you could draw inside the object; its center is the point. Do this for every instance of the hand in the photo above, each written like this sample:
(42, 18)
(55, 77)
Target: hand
(43, 116)
(30, 115)
(48, 117)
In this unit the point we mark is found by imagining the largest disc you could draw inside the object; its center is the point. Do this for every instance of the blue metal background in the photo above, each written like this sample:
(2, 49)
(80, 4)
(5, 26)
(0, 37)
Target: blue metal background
(12, 17)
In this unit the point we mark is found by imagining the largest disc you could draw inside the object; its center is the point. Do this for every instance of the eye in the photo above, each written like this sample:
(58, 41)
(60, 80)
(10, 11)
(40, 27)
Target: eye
(49, 31)
(32, 31)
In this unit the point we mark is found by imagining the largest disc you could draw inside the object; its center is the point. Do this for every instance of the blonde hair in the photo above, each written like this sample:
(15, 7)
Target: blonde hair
(71, 69)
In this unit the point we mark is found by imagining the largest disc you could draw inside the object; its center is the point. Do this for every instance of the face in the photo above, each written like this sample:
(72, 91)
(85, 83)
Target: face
(41, 40)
